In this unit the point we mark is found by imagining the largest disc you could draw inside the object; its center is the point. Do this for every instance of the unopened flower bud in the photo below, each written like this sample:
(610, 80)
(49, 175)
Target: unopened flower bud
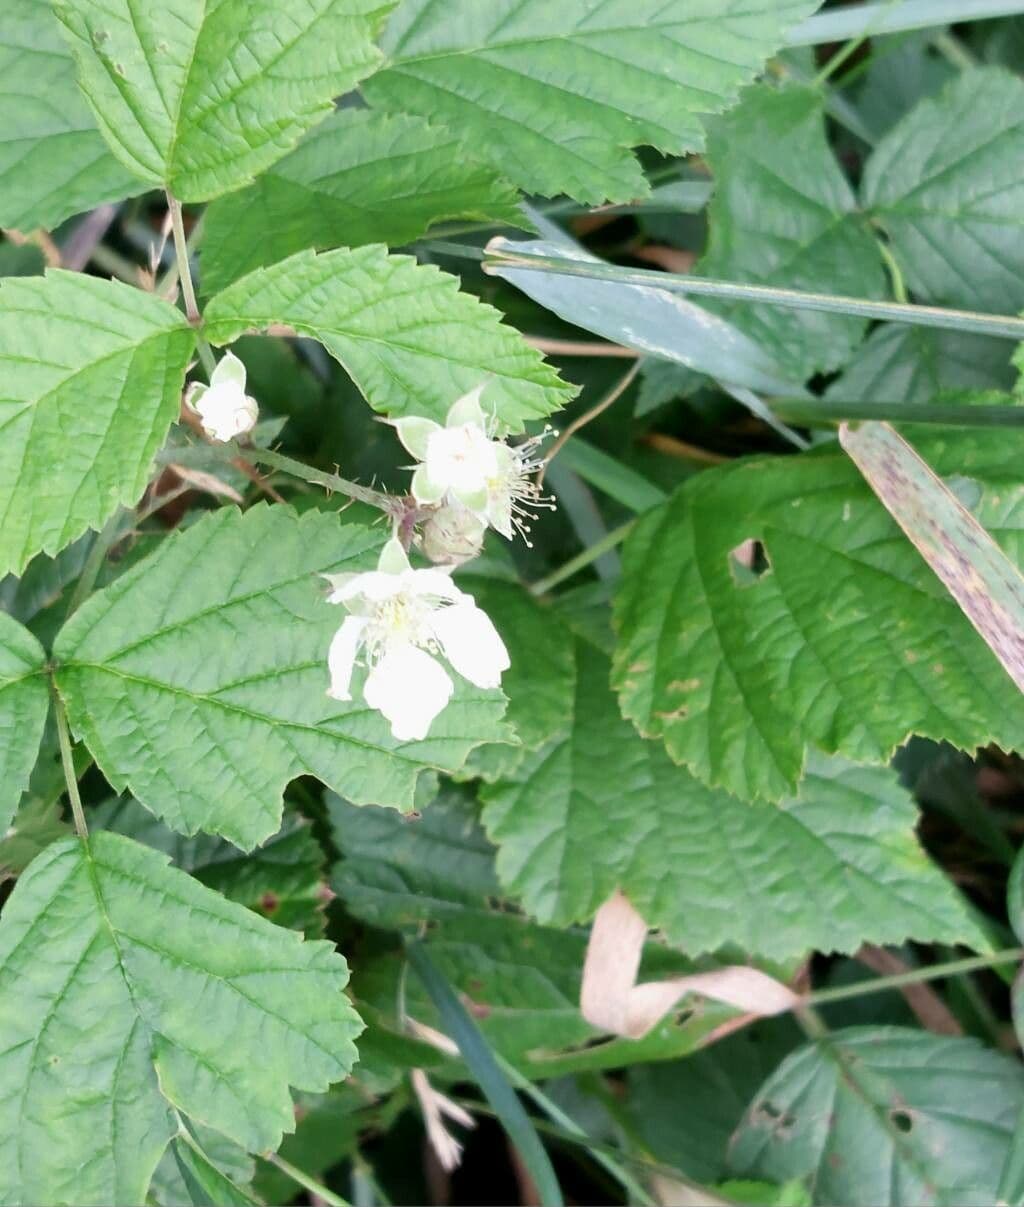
(223, 407)
(452, 534)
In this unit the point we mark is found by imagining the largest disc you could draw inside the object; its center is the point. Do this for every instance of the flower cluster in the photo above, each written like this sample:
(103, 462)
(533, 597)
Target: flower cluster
(477, 480)
(402, 621)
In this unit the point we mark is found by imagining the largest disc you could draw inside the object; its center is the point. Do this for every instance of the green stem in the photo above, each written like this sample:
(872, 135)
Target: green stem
(305, 1181)
(582, 560)
(954, 51)
(101, 546)
(915, 976)
(188, 290)
(899, 287)
(510, 256)
(332, 482)
(837, 60)
(887, 17)
(816, 412)
(67, 761)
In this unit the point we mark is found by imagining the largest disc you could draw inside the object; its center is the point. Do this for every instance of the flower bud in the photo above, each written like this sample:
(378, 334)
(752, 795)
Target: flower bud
(452, 534)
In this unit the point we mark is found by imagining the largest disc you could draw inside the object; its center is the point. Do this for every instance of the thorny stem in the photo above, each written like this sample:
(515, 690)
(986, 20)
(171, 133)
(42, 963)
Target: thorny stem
(68, 764)
(188, 290)
(315, 1188)
(364, 494)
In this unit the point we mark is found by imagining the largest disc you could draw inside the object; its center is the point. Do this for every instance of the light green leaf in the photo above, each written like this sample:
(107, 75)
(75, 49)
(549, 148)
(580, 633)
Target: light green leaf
(557, 94)
(360, 177)
(282, 879)
(947, 185)
(204, 1182)
(538, 684)
(149, 993)
(198, 679)
(784, 214)
(167, 1186)
(53, 160)
(201, 97)
(885, 1117)
(408, 337)
(439, 870)
(901, 363)
(846, 643)
(24, 703)
(649, 319)
(92, 372)
(722, 1078)
(602, 809)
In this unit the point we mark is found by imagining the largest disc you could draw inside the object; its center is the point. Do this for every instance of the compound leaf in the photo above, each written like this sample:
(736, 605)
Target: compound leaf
(602, 809)
(557, 94)
(199, 98)
(846, 643)
(783, 214)
(53, 160)
(406, 335)
(885, 1116)
(198, 679)
(947, 185)
(93, 372)
(149, 993)
(360, 177)
(24, 702)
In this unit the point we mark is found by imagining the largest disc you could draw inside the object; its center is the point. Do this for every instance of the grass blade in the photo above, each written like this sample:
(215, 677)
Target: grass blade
(504, 253)
(888, 17)
(489, 1077)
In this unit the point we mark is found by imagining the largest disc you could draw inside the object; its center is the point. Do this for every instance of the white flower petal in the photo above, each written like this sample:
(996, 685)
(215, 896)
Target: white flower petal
(461, 458)
(410, 688)
(341, 657)
(225, 410)
(471, 643)
(433, 582)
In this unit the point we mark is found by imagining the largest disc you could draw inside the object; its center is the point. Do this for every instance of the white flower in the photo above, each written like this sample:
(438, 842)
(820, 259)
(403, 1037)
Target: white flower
(403, 619)
(223, 407)
(462, 463)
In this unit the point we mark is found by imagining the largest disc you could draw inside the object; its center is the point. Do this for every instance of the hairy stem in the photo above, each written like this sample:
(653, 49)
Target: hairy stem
(188, 290)
(332, 482)
(315, 1188)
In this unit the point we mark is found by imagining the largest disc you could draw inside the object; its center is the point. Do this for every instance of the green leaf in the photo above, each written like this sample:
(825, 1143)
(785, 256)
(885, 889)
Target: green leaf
(900, 72)
(149, 994)
(602, 809)
(282, 879)
(200, 98)
(93, 372)
(538, 684)
(360, 177)
(557, 94)
(649, 319)
(784, 214)
(846, 643)
(204, 1183)
(946, 183)
(167, 1186)
(722, 1078)
(198, 679)
(913, 364)
(885, 1117)
(408, 337)
(53, 160)
(436, 874)
(24, 703)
